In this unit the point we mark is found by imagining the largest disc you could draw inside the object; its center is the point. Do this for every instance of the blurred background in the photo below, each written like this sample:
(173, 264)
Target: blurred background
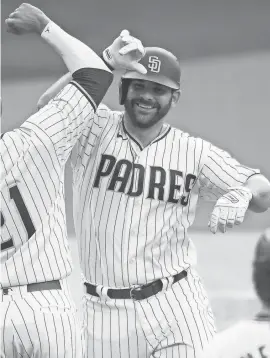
(224, 51)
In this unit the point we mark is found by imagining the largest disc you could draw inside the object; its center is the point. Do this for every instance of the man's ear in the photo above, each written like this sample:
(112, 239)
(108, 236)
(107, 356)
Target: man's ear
(175, 97)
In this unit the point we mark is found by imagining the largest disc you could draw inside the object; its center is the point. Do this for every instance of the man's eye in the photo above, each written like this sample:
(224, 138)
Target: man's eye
(158, 90)
(138, 85)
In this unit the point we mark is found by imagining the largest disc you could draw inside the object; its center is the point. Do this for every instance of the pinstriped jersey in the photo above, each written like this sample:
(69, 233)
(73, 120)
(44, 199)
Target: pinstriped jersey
(133, 205)
(246, 339)
(34, 246)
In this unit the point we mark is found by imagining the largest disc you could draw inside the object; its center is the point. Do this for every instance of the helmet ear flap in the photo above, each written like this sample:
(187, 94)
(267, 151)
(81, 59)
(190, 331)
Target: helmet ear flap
(123, 88)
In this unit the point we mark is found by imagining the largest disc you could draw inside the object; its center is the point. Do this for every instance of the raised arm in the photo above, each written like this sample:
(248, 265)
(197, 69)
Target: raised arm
(115, 56)
(52, 91)
(64, 119)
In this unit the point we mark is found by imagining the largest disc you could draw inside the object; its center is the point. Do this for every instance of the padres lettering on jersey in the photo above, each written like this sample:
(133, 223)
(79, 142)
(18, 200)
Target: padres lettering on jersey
(34, 245)
(135, 174)
(133, 205)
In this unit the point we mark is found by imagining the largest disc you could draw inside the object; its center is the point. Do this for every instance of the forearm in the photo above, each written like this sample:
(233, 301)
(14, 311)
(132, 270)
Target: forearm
(260, 189)
(52, 91)
(75, 54)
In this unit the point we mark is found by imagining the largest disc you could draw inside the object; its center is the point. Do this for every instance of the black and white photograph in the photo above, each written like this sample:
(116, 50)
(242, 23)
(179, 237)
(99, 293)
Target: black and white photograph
(135, 179)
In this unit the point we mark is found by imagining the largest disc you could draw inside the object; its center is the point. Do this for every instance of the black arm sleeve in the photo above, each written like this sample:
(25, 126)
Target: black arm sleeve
(93, 83)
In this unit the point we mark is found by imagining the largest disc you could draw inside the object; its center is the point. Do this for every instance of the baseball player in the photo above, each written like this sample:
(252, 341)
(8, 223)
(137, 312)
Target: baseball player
(250, 338)
(38, 317)
(136, 184)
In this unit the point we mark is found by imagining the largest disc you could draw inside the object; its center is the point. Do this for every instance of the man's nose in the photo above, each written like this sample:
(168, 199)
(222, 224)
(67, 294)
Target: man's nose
(147, 95)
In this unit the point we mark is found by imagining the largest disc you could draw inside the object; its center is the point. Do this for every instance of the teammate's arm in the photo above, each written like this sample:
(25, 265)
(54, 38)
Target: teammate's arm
(64, 119)
(53, 90)
(259, 186)
(115, 57)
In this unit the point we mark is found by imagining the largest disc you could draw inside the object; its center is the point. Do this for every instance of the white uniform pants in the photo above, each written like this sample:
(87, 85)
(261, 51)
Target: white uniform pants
(177, 322)
(39, 324)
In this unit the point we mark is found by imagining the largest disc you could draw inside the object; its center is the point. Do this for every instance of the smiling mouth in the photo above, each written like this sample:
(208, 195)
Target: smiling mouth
(145, 106)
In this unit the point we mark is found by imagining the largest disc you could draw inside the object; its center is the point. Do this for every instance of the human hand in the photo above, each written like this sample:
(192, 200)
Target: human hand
(26, 19)
(125, 52)
(230, 209)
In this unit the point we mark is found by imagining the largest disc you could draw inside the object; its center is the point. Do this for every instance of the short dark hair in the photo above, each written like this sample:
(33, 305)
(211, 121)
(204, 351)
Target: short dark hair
(261, 267)
(261, 281)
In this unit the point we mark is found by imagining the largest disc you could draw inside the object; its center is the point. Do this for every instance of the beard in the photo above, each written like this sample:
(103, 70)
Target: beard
(145, 118)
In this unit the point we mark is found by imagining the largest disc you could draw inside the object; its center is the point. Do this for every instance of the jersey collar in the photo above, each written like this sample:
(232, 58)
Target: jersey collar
(124, 134)
(121, 129)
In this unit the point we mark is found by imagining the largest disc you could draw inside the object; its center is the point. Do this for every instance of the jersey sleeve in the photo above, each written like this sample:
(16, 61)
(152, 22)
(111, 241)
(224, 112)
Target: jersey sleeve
(65, 117)
(11, 147)
(90, 136)
(221, 171)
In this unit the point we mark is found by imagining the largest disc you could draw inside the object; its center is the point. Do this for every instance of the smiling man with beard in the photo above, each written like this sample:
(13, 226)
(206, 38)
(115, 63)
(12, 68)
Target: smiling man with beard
(148, 102)
(145, 111)
(136, 185)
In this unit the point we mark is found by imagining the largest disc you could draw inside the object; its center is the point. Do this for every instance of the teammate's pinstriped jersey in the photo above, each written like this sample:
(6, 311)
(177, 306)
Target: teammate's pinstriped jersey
(34, 246)
(245, 339)
(133, 205)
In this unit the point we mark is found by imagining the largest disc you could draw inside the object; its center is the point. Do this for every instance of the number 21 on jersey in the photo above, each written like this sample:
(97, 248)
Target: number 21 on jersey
(16, 214)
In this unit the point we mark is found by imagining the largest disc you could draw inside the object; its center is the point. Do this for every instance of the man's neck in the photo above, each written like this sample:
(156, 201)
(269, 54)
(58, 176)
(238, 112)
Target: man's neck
(143, 135)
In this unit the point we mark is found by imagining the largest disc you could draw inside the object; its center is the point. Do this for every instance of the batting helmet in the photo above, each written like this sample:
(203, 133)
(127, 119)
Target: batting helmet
(162, 67)
(261, 268)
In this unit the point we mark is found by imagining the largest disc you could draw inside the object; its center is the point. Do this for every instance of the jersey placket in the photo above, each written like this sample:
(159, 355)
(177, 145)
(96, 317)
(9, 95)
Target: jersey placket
(132, 214)
(134, 207)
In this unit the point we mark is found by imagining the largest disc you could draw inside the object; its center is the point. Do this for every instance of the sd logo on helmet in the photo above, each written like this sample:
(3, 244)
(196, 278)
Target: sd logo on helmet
(162, 67)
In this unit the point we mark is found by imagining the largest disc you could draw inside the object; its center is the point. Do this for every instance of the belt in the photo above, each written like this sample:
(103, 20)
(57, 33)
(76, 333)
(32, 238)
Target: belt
(135, 293)
(40, 286)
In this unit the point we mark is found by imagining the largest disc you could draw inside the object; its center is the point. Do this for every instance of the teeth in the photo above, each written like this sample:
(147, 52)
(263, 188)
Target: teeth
(144, 106)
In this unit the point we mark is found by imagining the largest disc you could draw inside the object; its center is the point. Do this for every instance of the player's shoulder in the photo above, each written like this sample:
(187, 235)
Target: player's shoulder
(14, 138)
(13, 145)
(178, 133)
(105, 114)
(105, 120)
(203, 145)
(190, 138)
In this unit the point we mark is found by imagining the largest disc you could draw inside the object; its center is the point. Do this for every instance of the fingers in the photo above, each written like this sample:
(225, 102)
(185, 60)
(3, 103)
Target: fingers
(225, 217)
(221, 218)
(240, 216)
(128, 48)
(213, 222)
(231, 217)
(14, 15)
(133, 46)
(12, 22)
(138, 67)
(136, 45)
(124, 33)
(131, 42)
(11, 26)
(126, 51)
